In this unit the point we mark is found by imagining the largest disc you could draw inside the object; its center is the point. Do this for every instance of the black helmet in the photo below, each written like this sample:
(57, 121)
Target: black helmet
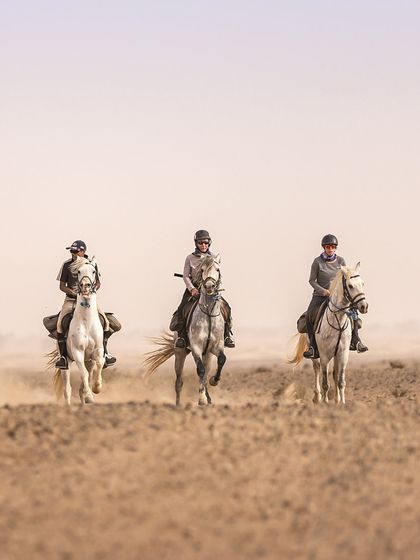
(329, 239)
(200, 235)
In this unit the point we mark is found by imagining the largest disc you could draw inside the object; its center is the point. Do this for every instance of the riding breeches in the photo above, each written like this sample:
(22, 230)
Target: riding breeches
(68, 307)
(312, 313)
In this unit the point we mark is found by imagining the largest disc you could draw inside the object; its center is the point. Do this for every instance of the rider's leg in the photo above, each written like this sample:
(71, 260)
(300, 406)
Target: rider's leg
(62, 362)
(181, 327)
(109, 360)
(356, 343)
(228, 334)
(314, 305)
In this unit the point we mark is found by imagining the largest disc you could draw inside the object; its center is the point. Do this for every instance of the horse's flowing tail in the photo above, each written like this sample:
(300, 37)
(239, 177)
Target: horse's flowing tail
(57, 379)
(299, 350)
(58, 384)
(156, 358)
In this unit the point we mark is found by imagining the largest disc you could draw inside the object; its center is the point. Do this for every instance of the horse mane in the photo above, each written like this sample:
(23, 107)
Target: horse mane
(336, 282)
(208, 260)
(77, 264)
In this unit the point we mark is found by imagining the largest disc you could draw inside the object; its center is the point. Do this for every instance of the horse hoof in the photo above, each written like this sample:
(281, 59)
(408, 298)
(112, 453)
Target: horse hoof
(213, 381)
(96, 389)
(89, 400)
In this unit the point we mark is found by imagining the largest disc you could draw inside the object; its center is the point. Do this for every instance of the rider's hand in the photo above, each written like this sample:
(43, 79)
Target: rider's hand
(327, 293)
(194, 292)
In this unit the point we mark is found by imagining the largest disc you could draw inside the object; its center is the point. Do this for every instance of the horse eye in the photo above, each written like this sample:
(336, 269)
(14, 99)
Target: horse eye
(351, 286)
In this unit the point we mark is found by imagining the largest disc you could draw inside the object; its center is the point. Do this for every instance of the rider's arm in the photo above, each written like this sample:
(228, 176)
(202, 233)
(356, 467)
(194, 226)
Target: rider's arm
(319, 290)
(64, 288)
(186, 274)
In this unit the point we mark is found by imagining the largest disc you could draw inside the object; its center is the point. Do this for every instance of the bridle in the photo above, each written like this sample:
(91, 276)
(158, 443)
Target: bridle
(92, 289)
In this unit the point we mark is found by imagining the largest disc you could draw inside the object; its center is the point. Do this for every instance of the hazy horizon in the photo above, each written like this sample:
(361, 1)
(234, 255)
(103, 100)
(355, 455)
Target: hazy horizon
(132, 125)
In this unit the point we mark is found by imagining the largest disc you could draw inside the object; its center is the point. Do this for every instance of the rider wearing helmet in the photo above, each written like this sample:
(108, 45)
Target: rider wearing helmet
(202, 241)
(323, 270)
(68, 285)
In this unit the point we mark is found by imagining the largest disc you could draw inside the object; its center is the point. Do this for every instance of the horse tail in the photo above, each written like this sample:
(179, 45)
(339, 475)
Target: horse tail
(58, 384)
(156, 358)
(299, 350)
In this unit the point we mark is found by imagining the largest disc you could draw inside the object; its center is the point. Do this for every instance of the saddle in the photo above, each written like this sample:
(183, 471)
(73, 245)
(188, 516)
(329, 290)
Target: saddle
(50, 323)
(315, 320)
(301, 322)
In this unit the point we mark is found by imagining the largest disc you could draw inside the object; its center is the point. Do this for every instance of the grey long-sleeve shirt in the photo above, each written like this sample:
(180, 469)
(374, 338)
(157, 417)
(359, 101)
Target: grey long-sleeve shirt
(192, 269)
(322, 272)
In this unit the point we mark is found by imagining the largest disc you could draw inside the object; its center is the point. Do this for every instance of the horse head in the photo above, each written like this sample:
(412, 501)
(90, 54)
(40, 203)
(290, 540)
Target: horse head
(210, 276)
(353, 288)
(86, 275)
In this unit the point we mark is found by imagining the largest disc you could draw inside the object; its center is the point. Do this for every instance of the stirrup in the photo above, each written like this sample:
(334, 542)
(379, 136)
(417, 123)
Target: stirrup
(62, 363)
(311, 353)
(180, 342)
(360, 347)
(229, 343)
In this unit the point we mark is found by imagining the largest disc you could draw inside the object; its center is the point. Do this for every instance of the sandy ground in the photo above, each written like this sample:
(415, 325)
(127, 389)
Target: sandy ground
(263, 473)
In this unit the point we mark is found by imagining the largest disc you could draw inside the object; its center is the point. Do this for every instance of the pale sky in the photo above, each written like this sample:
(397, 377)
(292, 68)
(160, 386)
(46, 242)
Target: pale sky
(132, 124)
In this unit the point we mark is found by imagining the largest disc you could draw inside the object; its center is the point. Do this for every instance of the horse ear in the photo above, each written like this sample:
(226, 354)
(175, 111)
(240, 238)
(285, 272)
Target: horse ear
(93, 260)
(357, 267)
(217, 258)
(344, 269)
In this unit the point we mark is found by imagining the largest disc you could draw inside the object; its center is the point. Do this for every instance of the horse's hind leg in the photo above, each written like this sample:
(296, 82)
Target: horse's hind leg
(180, 356)
(317, 390)
(221, 359)
(201, 370)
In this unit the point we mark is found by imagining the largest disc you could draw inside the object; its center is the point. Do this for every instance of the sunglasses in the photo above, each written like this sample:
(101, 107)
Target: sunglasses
(330, 246)
(206, 242)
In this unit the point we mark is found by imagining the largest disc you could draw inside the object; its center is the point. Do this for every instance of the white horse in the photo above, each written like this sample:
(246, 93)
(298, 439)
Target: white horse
(333, 333)
(205, 333)
(85, 337)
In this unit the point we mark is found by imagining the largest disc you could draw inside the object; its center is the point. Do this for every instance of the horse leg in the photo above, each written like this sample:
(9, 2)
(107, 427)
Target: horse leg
(207, 361)
(335, 375)
(317, 391)
(85, 392)
(180, 355)
(65, 375)
(342, 384)
(221, 359)
(201, 370)
(97, 366)
(325, 381)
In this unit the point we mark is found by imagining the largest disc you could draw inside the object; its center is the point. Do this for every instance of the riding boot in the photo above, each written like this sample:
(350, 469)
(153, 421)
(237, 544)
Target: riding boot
(228, 336)
(109, 360)
(312, 351)
(356, 343)
(62, 362)
(181, 341)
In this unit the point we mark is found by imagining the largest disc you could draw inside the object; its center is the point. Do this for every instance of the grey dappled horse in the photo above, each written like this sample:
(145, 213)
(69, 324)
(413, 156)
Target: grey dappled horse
(205, 334)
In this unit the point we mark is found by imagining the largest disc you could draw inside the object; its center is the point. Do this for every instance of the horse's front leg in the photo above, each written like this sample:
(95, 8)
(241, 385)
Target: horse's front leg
(201, 370)
(325, 380)
(317, 390)
(85, 392)
(221, 360)
(96, 371)
(180, 355)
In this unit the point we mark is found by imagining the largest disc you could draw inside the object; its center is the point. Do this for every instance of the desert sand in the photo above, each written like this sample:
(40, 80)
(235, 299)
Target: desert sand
(263, 473)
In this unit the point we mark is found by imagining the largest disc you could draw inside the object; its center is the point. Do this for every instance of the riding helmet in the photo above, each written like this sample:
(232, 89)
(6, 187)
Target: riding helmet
(329, 239)
(200, 235)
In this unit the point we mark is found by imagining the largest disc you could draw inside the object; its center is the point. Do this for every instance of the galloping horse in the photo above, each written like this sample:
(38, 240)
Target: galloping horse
(85, 337)
(334, 332)
(205, 333)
